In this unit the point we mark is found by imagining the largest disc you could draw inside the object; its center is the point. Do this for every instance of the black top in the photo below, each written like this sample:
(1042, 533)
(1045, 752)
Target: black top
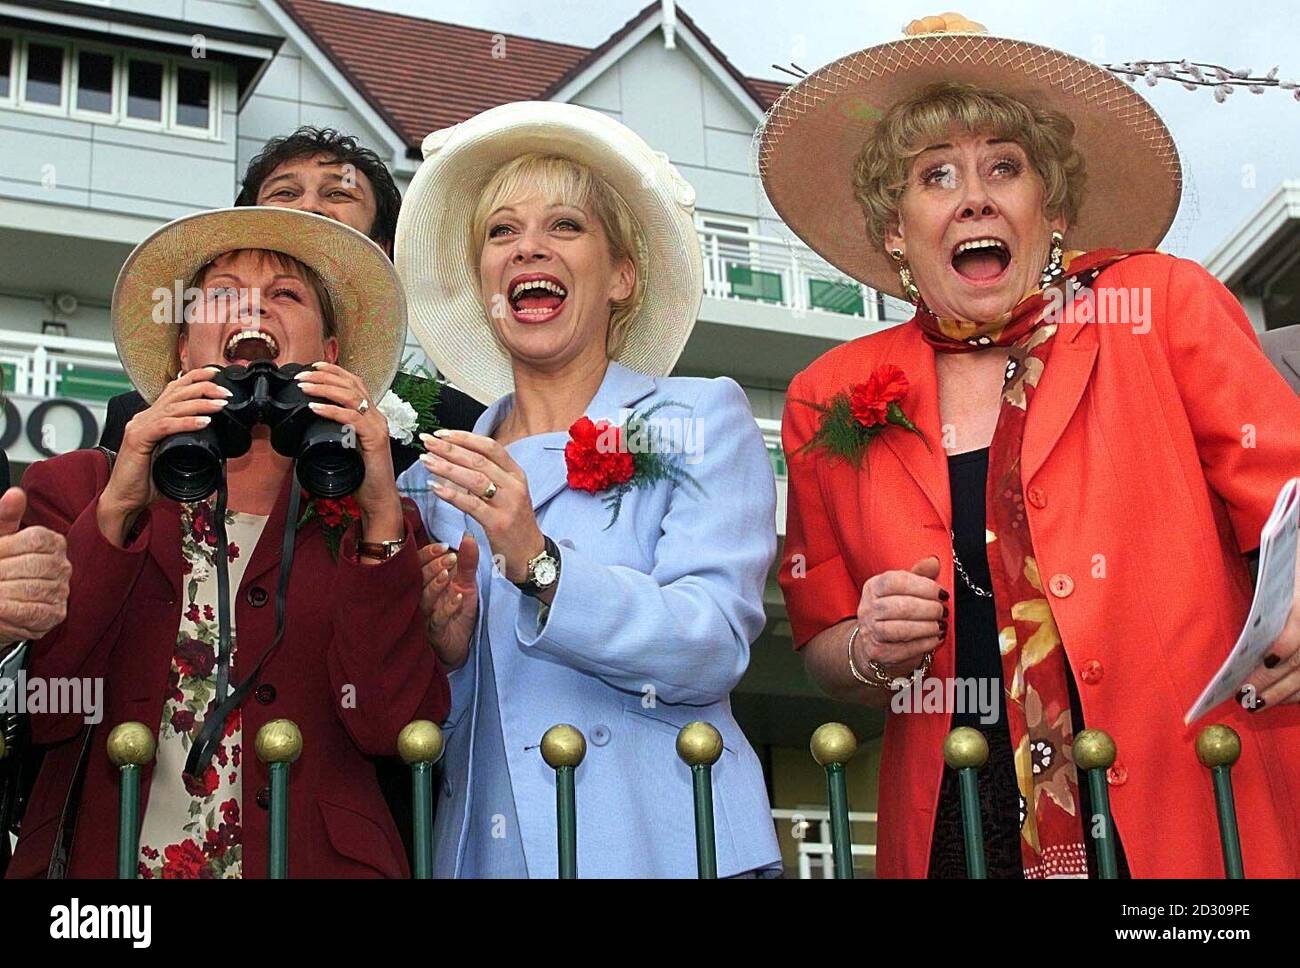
(975, 632)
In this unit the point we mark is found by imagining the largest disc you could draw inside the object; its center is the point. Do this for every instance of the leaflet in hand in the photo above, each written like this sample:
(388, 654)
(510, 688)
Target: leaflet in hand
(1274, 594)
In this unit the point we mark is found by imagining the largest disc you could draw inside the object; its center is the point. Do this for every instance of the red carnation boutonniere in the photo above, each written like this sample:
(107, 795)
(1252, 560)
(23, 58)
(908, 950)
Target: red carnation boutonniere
(601, 456)
(336, 516)
(853, 418)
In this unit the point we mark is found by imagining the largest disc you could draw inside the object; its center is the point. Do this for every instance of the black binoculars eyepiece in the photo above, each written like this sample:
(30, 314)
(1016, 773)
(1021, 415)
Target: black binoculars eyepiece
(187, 466)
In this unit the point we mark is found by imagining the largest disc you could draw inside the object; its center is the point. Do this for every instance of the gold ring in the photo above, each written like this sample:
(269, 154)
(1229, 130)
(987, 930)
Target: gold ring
(490, 491)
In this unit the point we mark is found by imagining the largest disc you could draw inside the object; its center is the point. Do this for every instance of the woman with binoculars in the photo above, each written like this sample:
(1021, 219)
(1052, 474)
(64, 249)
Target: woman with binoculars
(160, 586)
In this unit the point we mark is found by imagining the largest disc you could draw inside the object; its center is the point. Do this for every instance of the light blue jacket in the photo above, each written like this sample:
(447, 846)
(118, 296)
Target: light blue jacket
(650, 629)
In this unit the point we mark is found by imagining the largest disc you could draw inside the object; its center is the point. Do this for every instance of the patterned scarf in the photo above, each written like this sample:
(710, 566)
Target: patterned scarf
(1033, 661)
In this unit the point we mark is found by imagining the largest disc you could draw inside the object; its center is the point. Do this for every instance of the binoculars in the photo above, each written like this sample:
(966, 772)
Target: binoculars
(188, 466)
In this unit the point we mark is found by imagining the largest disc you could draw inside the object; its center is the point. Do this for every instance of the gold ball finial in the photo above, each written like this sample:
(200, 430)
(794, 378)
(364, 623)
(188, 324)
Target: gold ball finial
(420, 741)
(965, 747)
(131, 744)
(699, 744)
(1218, 745)
(833, 743)
(279, 741)
(563, 745)
(1094, 750)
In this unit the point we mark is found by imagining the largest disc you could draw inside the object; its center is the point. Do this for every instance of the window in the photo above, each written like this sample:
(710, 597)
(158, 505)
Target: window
(94, 83)
(144, 90)
(6, 68)
(193, 98)
(44, 82)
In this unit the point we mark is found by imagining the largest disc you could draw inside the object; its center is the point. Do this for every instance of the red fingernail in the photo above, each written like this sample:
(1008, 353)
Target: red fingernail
(943, 594)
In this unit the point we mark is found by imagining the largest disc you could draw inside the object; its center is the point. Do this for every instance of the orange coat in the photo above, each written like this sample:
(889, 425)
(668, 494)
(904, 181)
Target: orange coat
(1150, 462)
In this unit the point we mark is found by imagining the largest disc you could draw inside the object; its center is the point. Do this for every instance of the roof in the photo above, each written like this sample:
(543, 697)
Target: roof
(1266, 239)
(421, 75)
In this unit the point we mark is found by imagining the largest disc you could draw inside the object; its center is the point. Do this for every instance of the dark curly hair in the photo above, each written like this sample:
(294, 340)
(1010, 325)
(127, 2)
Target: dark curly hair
(309, 141)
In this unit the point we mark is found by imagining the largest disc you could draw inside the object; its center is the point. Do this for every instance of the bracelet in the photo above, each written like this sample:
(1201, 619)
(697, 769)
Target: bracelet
(880, 678)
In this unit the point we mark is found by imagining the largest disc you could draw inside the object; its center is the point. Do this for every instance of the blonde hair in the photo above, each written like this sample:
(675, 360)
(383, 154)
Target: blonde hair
(562, 181)
(881, 171)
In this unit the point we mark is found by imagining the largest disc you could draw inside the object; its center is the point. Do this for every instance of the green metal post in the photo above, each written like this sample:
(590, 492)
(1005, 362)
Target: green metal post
(1094, 753)
(833, 744)
(420, 745)
(563, 748)
(130, 746)
(1218, 747)
(966, 750)
(278, 744)
(699, 745)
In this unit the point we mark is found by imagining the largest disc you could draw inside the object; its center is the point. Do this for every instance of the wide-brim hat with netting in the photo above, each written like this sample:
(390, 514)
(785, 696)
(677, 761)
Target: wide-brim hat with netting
(810, 140)
(433, 244)
(364, 290)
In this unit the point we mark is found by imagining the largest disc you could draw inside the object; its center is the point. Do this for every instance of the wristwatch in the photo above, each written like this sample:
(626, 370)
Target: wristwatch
(379, 550)
(543, 571)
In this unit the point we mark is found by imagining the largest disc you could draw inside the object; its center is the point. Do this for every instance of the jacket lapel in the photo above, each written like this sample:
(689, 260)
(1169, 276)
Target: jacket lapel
(927, 466)
(542, 456)
(1064, 380)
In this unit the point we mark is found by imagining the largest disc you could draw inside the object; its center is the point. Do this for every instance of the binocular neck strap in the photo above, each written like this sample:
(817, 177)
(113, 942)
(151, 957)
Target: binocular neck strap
(225, 701)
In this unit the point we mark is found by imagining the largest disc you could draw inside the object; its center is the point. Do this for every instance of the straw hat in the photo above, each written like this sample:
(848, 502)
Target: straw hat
(811, 138)
(447, 313)
(369, 308)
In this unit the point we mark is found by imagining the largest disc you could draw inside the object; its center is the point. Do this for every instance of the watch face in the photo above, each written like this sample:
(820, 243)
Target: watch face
(545, 572)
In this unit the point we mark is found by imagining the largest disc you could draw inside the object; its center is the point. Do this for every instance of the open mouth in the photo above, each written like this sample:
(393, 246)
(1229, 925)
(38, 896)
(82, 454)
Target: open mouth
(981, 261)
(249, 345)
(537, 298)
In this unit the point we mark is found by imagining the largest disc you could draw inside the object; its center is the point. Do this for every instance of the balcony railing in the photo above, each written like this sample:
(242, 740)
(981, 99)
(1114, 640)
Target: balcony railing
(780, 272)
(43, 365)
(817, 853)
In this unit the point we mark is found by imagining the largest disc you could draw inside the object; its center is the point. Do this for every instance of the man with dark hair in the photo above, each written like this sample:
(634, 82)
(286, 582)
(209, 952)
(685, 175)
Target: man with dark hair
(323, 171)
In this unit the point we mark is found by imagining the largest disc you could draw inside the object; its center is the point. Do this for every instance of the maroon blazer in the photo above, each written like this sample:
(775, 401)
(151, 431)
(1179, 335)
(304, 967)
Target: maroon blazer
(352, 669)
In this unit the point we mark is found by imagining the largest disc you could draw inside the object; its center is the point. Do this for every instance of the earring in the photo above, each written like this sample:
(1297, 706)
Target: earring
(905, 277)
(1053, 269)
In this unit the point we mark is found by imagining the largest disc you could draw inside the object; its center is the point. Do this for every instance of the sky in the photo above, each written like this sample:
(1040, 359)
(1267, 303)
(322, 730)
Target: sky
(1234, 155)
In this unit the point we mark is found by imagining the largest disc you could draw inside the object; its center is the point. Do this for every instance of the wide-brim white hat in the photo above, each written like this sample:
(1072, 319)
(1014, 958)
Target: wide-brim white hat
(366, 295)
(446, 308)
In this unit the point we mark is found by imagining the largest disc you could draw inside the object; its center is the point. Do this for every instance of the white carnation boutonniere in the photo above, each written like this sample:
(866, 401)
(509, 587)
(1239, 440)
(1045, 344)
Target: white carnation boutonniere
(401, 416)
(411, 406)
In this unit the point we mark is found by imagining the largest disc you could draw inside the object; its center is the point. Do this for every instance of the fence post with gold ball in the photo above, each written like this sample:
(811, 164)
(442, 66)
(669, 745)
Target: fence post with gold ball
(563, 748)
(1094, 753)
(966, 750)
(278, 744)
(130, 747)
(699, 745)
(1218, 747)
(420, 745)
(833, 745)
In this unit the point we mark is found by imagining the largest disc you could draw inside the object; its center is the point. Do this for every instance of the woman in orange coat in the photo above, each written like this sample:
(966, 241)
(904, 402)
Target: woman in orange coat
(1049, 480)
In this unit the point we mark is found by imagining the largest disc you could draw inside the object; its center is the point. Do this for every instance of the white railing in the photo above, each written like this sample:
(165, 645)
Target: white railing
(780, 272)
(39, 360)
(818, 851)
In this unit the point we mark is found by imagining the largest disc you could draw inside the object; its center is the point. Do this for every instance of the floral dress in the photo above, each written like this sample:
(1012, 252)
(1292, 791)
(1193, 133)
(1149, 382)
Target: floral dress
(192, 827)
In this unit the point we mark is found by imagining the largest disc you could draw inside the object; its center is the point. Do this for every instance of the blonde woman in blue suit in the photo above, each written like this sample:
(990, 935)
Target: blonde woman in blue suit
(611, 580)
